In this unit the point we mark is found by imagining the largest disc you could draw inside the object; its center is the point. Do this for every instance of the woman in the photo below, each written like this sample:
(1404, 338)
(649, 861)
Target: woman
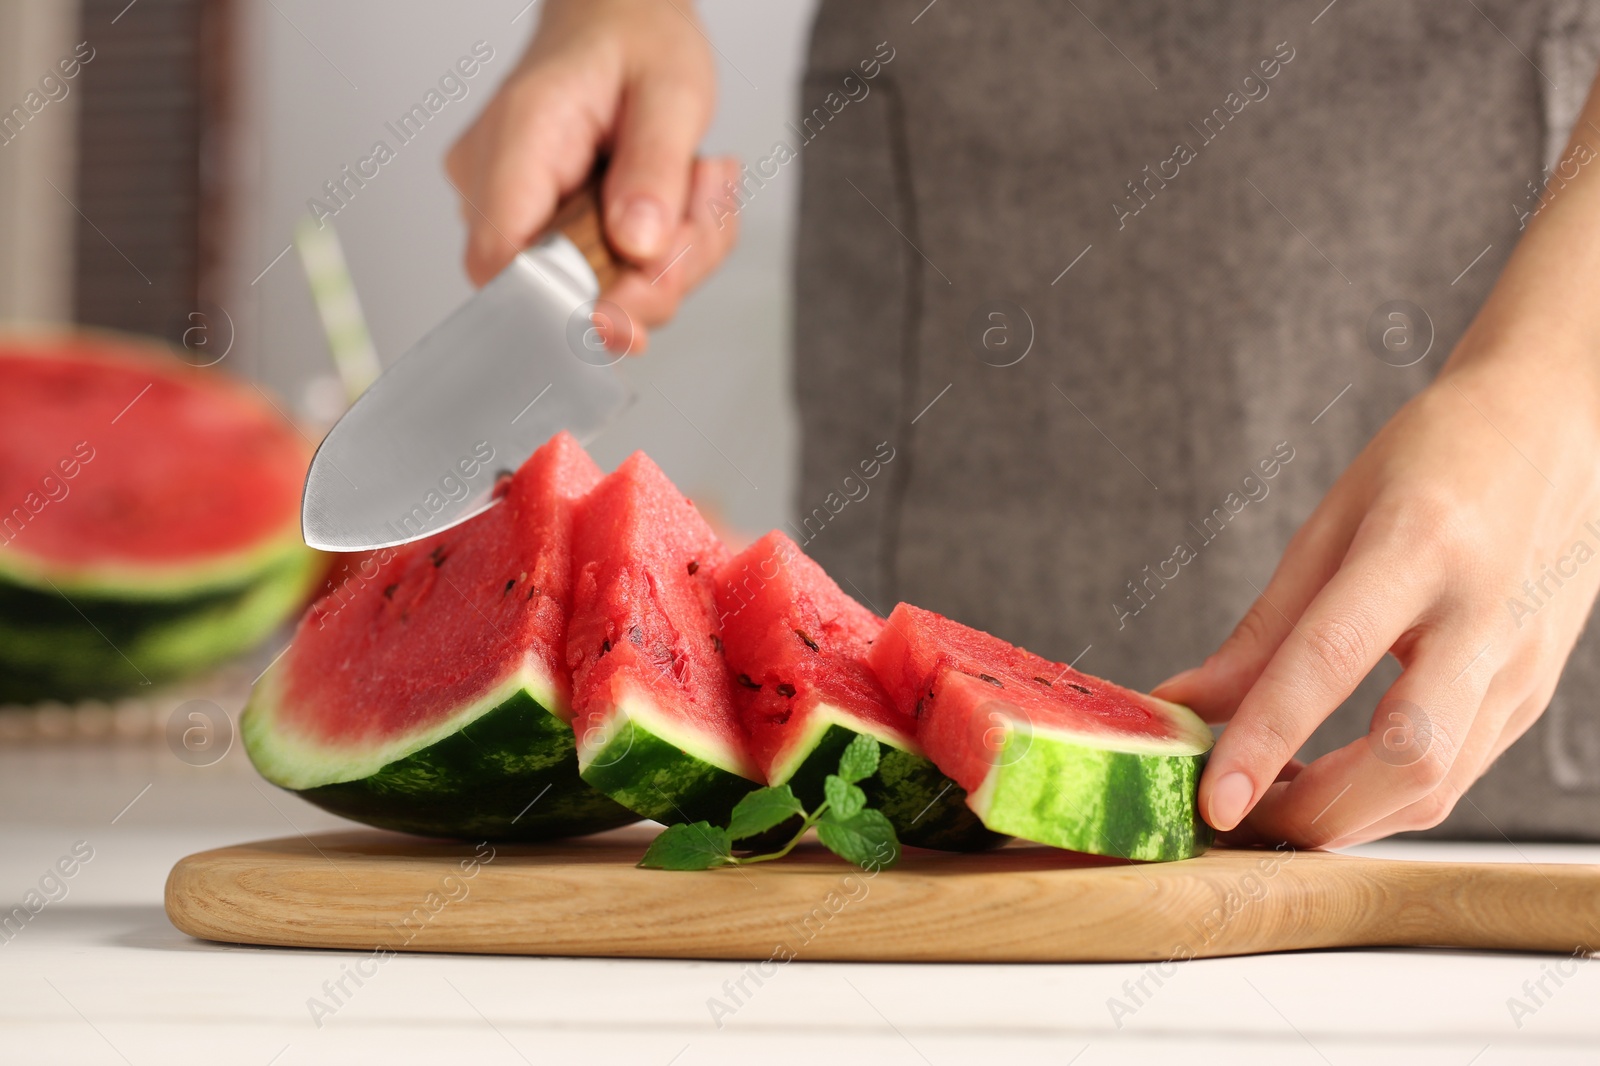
(1134, 293)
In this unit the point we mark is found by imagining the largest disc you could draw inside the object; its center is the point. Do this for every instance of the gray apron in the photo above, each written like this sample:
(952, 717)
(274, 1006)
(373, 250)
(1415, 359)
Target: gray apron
(1194, 222)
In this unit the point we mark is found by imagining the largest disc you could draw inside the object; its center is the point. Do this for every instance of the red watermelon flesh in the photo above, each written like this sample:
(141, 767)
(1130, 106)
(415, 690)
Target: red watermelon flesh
(800, 644)
(946, 674)
(644, 637)
(446, 620)
(119, 463)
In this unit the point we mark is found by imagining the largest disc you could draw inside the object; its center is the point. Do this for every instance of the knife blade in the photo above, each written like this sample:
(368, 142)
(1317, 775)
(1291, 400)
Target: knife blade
(421, 449)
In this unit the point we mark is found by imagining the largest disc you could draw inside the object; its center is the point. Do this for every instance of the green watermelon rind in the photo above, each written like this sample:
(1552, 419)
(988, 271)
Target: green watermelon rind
(640, 759)
(823, 718)
(503, 767)
(119, 617)
(926, 808)
(509, 775)
(66, 660)
(63, 612)
(1070, 790)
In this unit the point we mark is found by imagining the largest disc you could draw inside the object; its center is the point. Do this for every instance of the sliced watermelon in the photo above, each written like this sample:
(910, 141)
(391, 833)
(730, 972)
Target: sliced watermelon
(798, 645)
(149, 515)
(656, 725)
(1045, 752)
(433, 699)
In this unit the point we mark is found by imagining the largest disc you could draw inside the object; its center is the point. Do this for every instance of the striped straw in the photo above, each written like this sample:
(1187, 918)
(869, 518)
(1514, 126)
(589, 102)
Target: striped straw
(334, 293)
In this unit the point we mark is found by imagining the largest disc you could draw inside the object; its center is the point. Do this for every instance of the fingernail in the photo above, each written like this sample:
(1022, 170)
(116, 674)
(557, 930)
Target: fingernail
(641, 226)
(1229, 799)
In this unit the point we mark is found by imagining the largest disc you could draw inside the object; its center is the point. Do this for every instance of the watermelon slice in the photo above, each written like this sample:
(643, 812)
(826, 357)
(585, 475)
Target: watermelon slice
(1045, 752)
(798, 645)
(149, 515)
(656, 725)
(433, 699)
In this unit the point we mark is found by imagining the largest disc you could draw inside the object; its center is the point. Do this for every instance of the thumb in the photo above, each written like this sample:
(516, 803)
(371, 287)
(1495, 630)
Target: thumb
(647, 186)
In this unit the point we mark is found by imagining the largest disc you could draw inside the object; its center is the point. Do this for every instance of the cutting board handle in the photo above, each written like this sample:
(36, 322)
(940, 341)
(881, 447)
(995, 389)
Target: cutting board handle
(578, 218)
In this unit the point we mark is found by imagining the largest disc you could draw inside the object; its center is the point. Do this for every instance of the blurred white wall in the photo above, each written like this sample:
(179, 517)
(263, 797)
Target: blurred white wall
(323, 79)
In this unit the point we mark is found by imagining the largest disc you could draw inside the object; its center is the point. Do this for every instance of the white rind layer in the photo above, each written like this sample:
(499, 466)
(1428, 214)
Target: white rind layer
(630, 704)
(823, 717)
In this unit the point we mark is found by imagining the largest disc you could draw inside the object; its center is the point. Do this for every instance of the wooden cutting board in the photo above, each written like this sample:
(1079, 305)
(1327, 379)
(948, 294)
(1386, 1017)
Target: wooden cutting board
(370, 890)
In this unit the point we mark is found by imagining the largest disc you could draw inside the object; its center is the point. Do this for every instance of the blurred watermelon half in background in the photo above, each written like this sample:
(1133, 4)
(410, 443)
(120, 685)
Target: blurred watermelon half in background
(149, 516)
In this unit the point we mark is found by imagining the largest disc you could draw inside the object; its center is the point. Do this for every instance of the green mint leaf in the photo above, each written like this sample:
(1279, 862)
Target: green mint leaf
(867, 839)
(696, 846)
(761, 810)
(860, 759)
(845, 800)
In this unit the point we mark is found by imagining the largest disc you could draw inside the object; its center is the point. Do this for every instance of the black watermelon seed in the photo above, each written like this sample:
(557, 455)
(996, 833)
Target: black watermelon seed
(605, 645)
(531, 591)
(808, 641)
(995, 681)
(785, 689)
(744, 679)
(918, 712)
(388, 592)
(1080, 688)
(1043, 682)
(509, 586)
(438, 556)
(694, 567)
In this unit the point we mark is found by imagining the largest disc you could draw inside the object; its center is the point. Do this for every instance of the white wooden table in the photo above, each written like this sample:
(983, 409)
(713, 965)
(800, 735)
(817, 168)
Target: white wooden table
(99, 976)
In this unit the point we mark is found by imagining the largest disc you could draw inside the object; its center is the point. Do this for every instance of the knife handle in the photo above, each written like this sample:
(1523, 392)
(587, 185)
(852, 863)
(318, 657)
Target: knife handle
(578, 219)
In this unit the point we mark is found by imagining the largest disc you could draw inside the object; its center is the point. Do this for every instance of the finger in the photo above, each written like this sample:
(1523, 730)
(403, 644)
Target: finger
(1215, 688)
(699, 243)
(1360, 613)
(1509, 711)
(1290, 771)
(653, 291)
(713, 220)
(621, 332)
(1247, 834)
(540, 149)
(1426, 732)
(1500, 708)
(1520, 722)
(647, 186)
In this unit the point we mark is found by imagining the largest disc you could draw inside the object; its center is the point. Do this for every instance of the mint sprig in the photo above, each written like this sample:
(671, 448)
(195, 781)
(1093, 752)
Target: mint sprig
(843, 821)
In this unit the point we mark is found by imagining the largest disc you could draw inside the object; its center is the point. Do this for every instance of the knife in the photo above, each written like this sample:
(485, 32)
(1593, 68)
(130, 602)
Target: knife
(421, 449)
